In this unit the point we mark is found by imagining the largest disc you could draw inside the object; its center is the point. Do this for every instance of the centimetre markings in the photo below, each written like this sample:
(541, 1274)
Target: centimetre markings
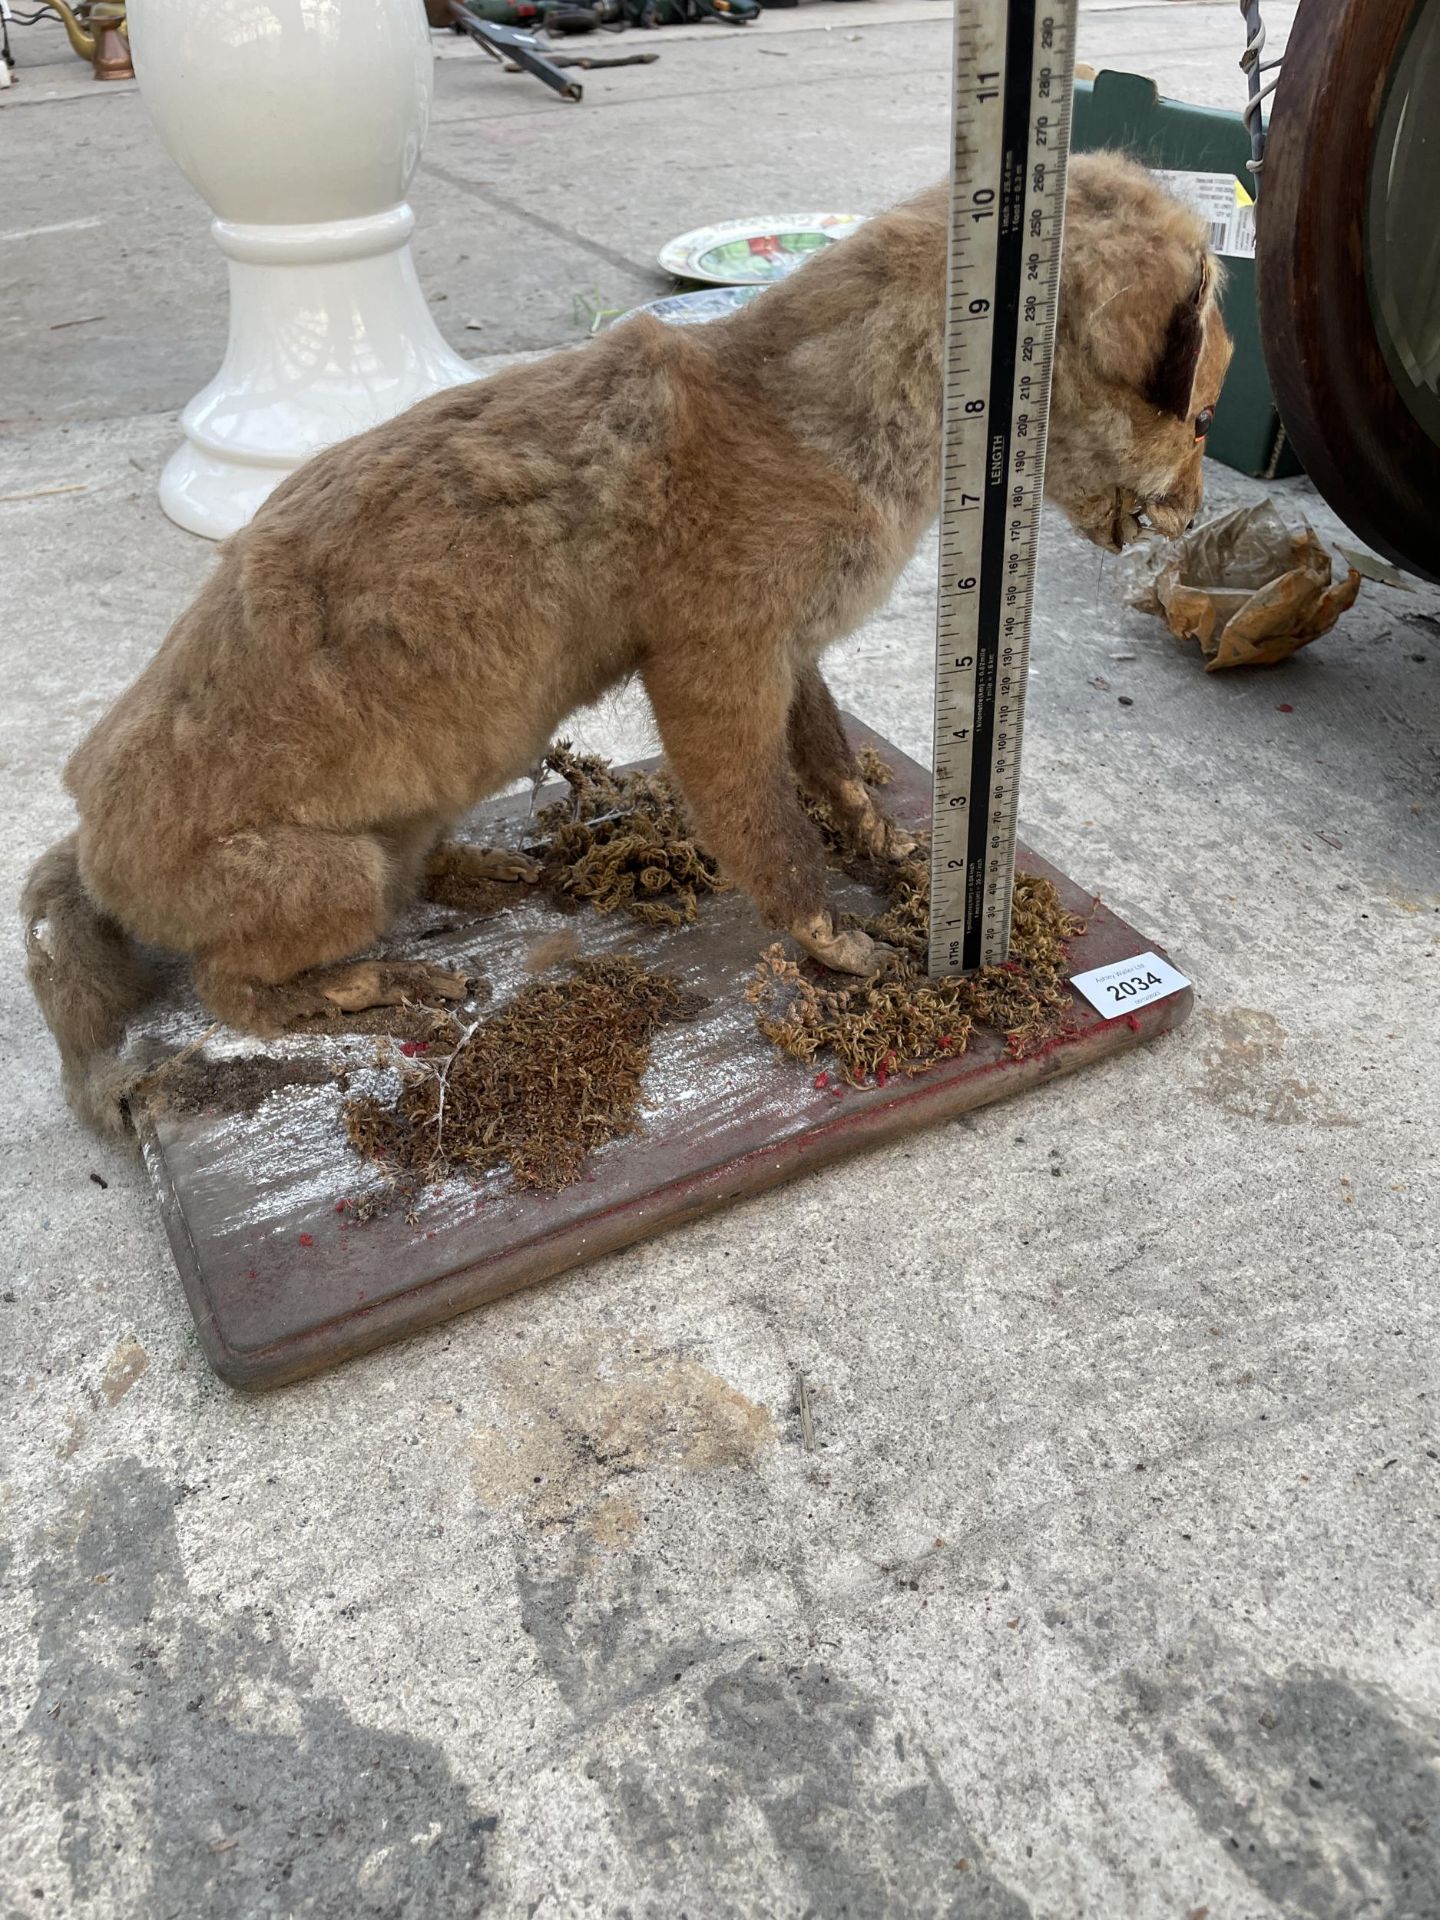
(1014, 70)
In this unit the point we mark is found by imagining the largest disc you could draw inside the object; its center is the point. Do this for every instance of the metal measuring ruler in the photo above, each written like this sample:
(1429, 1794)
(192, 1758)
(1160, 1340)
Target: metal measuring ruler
(1014, 72)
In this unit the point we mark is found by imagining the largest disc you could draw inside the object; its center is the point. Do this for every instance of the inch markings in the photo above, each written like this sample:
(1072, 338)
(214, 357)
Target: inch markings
(1014, 70)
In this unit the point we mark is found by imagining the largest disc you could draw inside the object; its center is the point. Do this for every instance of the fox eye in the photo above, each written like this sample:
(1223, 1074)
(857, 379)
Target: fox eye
(1202, 422)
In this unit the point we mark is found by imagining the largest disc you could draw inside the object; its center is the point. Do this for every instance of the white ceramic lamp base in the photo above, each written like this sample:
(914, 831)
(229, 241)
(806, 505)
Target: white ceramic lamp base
(303, 139)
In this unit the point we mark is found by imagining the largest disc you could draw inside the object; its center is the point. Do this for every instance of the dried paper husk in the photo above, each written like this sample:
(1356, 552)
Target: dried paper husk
(1248, 588)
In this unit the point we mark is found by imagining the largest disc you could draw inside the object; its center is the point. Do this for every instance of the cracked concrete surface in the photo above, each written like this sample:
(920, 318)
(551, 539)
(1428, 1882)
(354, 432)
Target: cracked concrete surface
(1109, 1586)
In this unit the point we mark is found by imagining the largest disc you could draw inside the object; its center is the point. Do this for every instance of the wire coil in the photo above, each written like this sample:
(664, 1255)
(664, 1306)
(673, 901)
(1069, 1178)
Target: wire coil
(1254, 69)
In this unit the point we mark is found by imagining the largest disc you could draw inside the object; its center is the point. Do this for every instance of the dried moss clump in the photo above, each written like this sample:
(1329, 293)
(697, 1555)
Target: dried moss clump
(621, 841)
(551, 1075)
(905, 1022)
(874, 771)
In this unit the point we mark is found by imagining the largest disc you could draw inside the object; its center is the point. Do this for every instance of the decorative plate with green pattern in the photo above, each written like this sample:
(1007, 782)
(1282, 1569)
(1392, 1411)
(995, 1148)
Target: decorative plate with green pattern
(693, 309)
(740, 253)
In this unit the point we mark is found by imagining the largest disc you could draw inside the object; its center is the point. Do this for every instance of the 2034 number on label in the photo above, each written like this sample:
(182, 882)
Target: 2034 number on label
(1136, 984)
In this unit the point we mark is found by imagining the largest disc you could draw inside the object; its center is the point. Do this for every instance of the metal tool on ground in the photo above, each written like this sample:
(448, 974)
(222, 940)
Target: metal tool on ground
(1014, 62)
(590, 61)
(523, 50)
(497, 26)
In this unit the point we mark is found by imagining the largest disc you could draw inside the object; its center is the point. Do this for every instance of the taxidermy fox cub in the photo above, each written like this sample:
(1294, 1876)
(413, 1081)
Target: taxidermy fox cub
(411, 616)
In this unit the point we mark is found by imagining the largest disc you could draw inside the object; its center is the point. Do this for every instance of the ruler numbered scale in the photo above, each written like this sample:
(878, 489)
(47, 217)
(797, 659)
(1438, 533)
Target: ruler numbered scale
(1014, 74)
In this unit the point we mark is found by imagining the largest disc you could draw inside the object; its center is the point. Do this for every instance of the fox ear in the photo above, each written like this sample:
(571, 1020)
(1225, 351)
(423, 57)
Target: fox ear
(1172, 379)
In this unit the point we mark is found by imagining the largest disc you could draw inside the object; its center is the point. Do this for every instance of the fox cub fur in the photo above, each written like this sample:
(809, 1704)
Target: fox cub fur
(413, 614)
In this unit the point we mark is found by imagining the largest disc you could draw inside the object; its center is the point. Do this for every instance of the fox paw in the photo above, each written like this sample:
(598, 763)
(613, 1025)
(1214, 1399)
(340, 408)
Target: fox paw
(383, 983)
(844, 949)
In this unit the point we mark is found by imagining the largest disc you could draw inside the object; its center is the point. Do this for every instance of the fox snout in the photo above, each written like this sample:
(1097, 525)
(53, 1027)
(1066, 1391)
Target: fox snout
(1174, 512)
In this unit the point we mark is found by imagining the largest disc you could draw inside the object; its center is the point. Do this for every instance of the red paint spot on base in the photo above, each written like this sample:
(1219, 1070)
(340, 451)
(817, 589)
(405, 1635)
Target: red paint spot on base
(307, 1239)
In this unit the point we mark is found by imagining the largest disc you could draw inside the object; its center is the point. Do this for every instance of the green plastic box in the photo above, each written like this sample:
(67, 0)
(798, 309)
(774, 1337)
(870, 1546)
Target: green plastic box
(1125, 110)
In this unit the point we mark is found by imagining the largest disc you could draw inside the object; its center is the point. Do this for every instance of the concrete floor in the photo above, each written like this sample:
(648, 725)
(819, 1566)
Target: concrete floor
(1110, 1587)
